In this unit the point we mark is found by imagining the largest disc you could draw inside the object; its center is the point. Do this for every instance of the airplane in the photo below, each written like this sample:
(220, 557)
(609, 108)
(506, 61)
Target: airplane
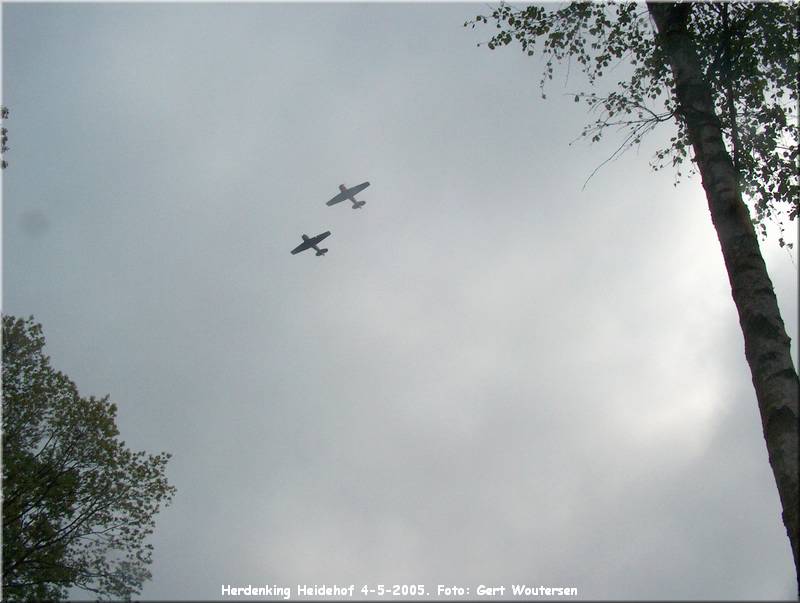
(349, 193)
(311, 242)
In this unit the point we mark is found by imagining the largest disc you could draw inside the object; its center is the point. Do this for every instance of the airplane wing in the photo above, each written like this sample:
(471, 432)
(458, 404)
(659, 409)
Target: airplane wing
(320, 237)
(337, 199)
(357, 188)
(302, 247)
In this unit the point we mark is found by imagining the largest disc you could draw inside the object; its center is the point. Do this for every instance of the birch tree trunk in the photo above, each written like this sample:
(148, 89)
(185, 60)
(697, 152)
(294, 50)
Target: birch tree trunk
(765, 341)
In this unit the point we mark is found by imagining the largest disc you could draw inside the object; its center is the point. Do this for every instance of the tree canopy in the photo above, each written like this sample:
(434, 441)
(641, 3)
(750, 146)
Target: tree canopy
(748, 52)
(77, 504)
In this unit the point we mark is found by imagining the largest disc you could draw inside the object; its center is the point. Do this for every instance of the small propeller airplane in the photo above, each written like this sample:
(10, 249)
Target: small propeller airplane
(349, 193)
(311, 243)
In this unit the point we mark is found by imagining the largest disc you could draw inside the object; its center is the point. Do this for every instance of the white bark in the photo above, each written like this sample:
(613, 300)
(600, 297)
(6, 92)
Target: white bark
(766, 343)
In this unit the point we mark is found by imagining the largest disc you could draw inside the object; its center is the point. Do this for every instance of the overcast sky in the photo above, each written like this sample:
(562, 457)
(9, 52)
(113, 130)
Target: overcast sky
(495, 376)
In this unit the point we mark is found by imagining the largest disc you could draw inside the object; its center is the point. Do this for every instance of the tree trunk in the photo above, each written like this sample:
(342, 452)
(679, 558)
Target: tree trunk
(766, 345)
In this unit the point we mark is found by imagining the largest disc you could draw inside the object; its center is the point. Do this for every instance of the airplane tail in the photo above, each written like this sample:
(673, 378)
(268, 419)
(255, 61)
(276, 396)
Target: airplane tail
(322, 251)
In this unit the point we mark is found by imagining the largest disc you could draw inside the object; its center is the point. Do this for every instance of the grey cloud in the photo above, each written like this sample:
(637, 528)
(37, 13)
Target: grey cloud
(495, 375)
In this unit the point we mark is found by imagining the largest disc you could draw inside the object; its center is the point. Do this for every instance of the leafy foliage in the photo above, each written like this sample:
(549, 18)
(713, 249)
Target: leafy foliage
(77, 504)
(748, 51)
